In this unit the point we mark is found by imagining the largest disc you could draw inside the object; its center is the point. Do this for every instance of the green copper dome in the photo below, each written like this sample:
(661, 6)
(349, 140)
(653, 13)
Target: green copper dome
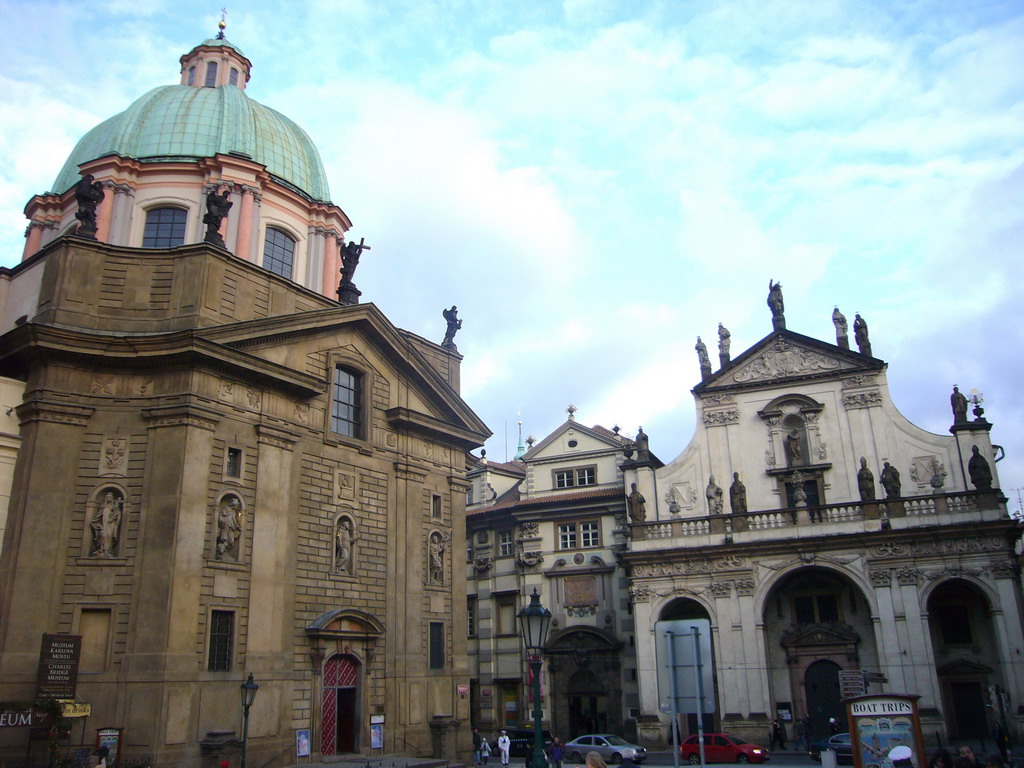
(175, 122)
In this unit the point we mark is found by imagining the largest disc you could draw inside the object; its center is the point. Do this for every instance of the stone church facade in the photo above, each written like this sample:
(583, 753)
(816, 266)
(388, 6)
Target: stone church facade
(222, 471)
(785, 525)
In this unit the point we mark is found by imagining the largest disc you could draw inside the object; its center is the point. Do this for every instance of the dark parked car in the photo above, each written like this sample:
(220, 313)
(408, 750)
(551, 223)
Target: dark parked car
(841, 744)
(723, 748)
(521, 742)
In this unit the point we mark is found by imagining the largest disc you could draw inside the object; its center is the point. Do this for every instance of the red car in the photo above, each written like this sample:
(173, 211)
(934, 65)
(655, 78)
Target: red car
(723, 748)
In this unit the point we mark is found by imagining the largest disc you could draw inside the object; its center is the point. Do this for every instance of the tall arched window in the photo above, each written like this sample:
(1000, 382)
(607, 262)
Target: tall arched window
(233, 79)
(346, 403)
(165, 227)
(192, 75)
(211, 74)
(278, 252)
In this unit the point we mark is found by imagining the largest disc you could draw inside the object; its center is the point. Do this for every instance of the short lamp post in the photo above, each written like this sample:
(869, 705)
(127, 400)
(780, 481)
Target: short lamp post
(248, 689)
(534, 620)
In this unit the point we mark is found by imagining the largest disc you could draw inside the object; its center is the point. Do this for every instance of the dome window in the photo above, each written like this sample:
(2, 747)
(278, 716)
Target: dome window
(278, 252)
(192, 75)
(211, 74)
(234, 77)
(165, 227)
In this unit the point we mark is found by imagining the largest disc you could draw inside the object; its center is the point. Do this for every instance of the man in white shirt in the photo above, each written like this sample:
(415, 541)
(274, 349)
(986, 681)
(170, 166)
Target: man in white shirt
(504, 742)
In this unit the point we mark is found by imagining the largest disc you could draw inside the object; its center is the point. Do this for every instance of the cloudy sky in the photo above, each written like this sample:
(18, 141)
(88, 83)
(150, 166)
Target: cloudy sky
(596, 182)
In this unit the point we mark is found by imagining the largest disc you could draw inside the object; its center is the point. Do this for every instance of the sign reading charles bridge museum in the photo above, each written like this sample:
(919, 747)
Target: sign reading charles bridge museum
(58, 667)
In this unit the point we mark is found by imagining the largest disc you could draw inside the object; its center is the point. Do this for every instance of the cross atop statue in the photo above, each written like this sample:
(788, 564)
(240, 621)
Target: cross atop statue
(350, 253)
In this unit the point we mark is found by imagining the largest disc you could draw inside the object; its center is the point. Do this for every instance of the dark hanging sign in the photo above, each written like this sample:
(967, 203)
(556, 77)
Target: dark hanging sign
(26, 718)
(58, 666)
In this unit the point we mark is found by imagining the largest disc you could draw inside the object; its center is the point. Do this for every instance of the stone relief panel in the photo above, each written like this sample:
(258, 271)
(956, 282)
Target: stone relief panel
(783, 359)
(951, 546)
(529, 530)
(869, 399)
(681, 496)
(345, 482)
(721, 418)
(859, 381)
(105, 514)
(114, 457)
(228, 521)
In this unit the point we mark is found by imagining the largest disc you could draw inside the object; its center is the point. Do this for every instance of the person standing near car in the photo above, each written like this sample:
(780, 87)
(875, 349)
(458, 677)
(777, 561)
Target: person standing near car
(504, 744)
(557, 753)
(779, 732)
(833, 726)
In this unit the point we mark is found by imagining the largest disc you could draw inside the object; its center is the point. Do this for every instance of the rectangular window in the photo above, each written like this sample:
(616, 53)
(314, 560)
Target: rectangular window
(233, 77)
(506, 624)
(94, 627)
(436, 645)
(345, 408)
(577, 476)
(233, 466)
(165, 227)
(590, 534)
(567, 536)
(222, 630)
(278, 252)
(469, 548)
(505, 546)
(471, 616)
(435, 506)
(211, 74)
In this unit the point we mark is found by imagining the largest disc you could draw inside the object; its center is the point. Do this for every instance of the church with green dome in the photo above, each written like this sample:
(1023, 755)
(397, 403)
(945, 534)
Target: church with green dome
(227, 467)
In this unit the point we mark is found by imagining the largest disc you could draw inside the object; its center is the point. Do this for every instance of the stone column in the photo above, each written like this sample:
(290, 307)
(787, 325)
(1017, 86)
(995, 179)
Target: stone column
(33, 238)
(104, 211)
(330, 277)
(121, 218)
(887, 639)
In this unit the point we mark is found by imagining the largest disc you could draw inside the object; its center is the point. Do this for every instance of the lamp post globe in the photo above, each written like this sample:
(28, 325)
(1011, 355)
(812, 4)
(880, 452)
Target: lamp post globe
(248, 690)
(534, 621)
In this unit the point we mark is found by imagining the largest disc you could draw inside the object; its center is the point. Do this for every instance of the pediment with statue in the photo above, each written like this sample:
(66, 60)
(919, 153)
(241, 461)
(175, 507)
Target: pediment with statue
(785, 355)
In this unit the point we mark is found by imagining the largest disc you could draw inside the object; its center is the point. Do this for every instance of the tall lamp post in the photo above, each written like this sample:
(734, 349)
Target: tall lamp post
(534, 620)
(248, 689)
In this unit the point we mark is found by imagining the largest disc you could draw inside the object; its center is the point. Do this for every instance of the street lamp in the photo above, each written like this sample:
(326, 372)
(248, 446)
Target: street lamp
(248, 689)
(533, 627)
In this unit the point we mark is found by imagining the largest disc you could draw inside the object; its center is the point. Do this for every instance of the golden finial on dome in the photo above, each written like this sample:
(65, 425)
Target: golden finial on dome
(223, 23)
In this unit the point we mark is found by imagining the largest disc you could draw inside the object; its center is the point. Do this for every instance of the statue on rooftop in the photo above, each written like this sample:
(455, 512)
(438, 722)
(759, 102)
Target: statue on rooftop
(979, 470)
(860, 333)
(724, 343)
(890, 480)
(737, 495)
(776, 305)
(842, 329)
(217, 207)
(713, 493)
(958, 402)
(637, 505)
(865, 481)
(703, 359)
(451, 316)
(642, 445)
(88, 194)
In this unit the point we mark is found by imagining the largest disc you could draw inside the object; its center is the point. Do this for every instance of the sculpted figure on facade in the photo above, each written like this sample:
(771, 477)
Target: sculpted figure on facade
(890, 480)
(88, 194)
(775, 302)
(229, 527)
(702, 358)
(979, 470)
(839, 321)
(642, 445)
(799, 492)
(106, 525)
(737, 495)
(436, 547)
(713, 493)
(350, 253)
(865, 481)
(958, 402)
(860, 333)
(451, 317)
(637, 505)
(344, 536)
(724, 343)
(217, 207)
(794, 450)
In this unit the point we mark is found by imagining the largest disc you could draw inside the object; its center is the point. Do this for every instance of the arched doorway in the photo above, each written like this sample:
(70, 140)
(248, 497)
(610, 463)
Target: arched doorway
(961, 631)
(685, 609)
(821, 686)
(340, 732)
(586, 687)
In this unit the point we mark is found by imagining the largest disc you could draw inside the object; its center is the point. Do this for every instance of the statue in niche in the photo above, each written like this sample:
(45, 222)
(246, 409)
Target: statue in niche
(343, 538)
(794, 451)
(451, 316)
(642, 445)
(106, 525)
(229, 526)
(702, 355)
(737, 495)
(865, 481)
(839, 321)
(637, 505)
(217, 207)
(958, 402)
(435, 552)
(88, 195)
(860, 334)
(890, 480)
(715, 497)
(775, 301)
(979, 470)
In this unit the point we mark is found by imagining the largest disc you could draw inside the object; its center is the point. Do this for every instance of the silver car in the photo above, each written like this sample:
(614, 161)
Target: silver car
(614, 749)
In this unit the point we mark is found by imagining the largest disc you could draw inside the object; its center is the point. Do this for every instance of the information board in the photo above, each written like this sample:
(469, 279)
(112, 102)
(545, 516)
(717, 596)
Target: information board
(57, 677)
(882, 722)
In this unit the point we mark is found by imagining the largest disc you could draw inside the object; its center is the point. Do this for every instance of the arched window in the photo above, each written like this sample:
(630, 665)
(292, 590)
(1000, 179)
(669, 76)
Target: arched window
(346, 403)
(165, 227)
(192, 75)
(233, 78)
(278, 252)
(211, 74)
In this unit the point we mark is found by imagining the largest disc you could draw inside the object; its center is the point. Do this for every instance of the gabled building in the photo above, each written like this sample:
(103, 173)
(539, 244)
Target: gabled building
(554, 521)
(223, 472)
(822, 532)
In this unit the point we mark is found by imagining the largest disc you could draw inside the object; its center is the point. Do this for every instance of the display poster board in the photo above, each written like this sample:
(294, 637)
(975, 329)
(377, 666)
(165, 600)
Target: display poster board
(302, 743)
(111, 739)
(681, 657)
(880, 722)
(57, 676)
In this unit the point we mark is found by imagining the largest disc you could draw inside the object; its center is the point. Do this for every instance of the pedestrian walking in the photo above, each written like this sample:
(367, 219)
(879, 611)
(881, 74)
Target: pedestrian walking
(557, 753)
(504, 744)
(485, 750)
(476, 746)
(779, 732)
